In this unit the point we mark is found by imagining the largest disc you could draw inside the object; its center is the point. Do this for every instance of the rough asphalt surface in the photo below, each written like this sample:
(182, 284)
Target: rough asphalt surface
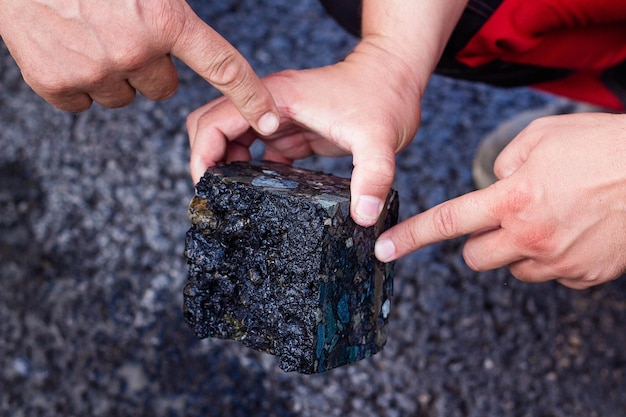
(92, 223)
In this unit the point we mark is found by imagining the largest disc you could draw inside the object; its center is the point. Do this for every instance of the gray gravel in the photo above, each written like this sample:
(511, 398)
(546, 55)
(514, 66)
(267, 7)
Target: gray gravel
(92, 222)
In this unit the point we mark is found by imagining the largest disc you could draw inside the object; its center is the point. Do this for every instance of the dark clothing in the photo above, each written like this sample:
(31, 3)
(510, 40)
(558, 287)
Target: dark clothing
(573, 48)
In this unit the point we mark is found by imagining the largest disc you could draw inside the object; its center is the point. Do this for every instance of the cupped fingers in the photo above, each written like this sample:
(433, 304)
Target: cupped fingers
(574, 277)
(71, 102)
(210, 133)
(65, 95)
(193, 119)
(113, 93)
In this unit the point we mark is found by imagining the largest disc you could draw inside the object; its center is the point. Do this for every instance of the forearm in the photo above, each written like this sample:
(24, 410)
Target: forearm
(414, 31)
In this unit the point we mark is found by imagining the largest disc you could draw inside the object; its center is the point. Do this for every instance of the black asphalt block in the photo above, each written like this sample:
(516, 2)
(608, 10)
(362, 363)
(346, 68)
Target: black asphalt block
(276, 262)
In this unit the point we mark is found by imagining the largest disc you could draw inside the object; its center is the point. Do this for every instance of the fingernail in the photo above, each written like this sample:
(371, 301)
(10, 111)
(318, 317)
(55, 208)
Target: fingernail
(268, 123)
(384, 250)
(368, 208)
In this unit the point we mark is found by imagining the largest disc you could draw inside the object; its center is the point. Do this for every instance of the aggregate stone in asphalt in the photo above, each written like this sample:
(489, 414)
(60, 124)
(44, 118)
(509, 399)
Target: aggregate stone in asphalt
(92, 224)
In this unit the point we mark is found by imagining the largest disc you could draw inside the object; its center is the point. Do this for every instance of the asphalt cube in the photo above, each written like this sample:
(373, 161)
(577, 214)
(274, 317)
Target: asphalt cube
(276, 262)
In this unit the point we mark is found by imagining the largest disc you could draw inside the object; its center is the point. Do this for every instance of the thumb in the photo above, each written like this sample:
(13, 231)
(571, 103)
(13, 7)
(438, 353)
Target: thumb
(515, 154)
(372, 177)
(221, 65)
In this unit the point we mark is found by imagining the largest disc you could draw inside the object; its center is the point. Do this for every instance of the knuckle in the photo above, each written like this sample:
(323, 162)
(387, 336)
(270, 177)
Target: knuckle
(587, 281)
(227, 72)
(126, 58)
(565, 267)
(538, 241)
(517, 199)
(168, 90)
(203, 123)
(446, 221)
(234, 78)
(583, 278)
(46, 84)
(162, 91)
(62, 95)
(73, 108)
(74, 105)
(192, 121)
(381, 170)
(59, 84)
(119, 101)
(379, 167)
(409, 237)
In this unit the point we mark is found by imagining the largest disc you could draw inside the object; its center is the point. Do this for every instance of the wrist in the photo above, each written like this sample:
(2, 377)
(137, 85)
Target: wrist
(395, 68)
(415, 33)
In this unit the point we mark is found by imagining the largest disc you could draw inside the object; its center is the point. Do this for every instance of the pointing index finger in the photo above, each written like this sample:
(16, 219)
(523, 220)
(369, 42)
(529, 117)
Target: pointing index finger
(454, 218)
(221, 65)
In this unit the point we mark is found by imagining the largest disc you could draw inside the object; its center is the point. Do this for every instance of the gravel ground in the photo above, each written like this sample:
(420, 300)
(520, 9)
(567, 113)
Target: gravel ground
(92, 223)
